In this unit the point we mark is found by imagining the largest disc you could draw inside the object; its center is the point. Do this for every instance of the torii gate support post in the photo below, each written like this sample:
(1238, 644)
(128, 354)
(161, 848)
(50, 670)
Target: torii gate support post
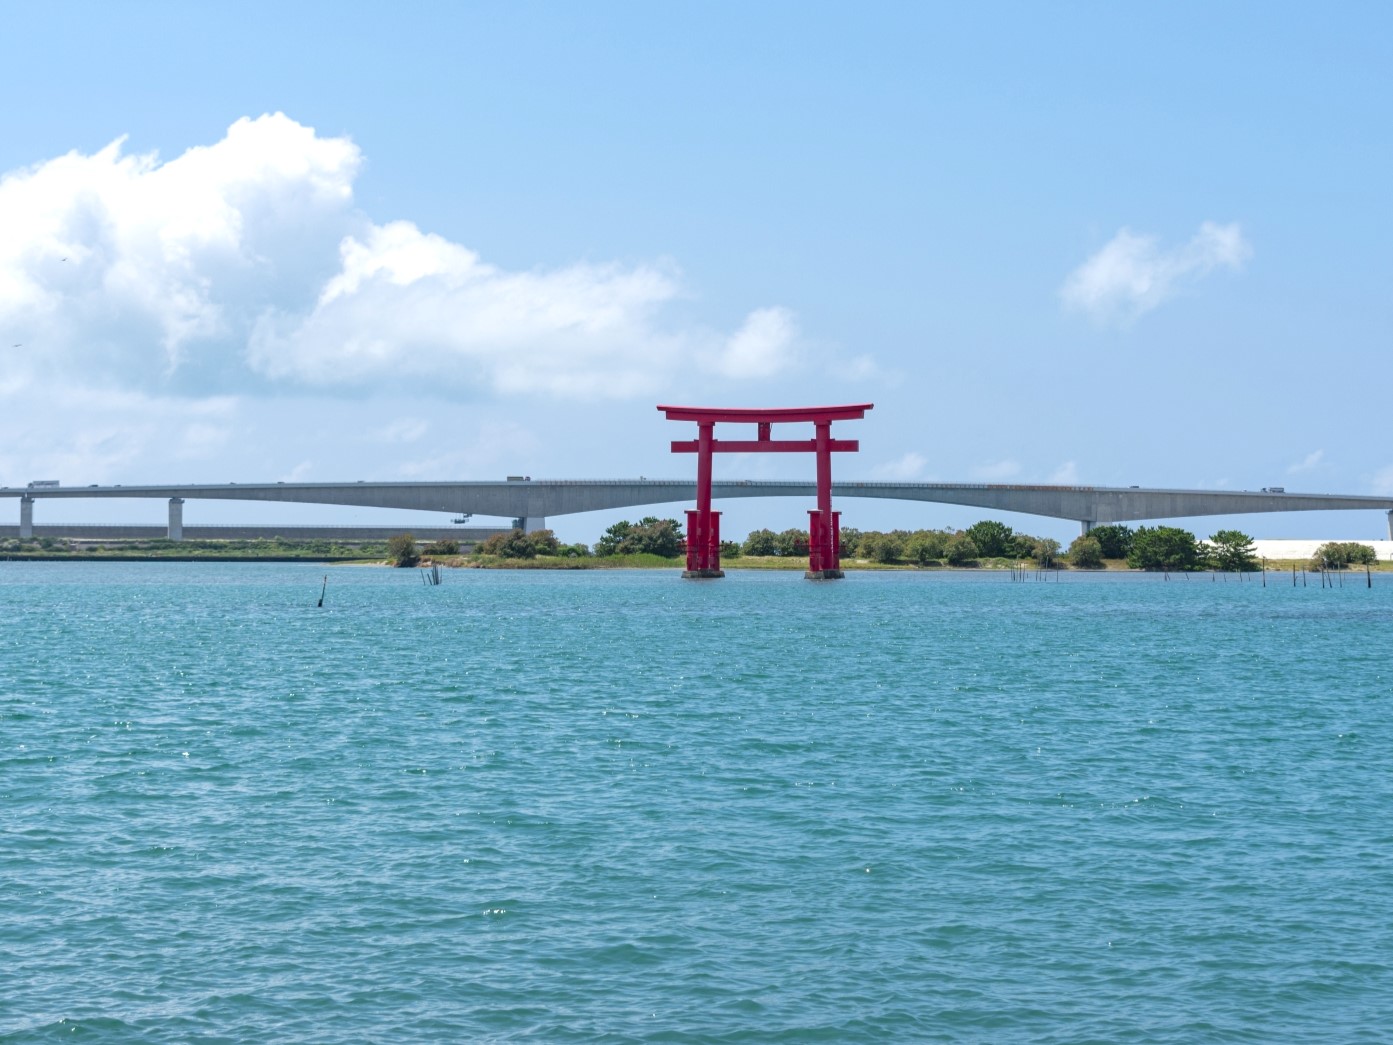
(824, 525)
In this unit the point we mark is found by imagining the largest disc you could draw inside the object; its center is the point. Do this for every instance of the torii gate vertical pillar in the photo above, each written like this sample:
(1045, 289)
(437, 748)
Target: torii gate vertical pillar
(824, 525)
(824, 529)
(704, 525)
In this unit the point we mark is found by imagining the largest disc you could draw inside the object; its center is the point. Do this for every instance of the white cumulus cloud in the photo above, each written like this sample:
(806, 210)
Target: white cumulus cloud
(246, 263)
(762, 347)
(1132, 274)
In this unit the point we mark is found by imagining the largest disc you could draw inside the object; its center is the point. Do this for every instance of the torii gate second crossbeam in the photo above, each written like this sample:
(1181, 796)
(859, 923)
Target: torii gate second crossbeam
(824, 525)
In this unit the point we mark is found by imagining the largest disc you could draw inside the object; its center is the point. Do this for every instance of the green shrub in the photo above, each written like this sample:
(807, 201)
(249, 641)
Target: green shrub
(401, 549)
(1340, 554)
(1165, 548)
(761, 542)
(649, 536)
(960, 550)
(1086, 553)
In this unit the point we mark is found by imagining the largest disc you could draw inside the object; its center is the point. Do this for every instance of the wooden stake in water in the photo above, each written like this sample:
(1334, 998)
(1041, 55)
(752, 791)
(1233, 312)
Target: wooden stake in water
(322, 589)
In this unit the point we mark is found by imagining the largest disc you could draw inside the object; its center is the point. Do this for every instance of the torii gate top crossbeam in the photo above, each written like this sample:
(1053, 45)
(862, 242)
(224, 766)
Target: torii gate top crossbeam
(766, 416)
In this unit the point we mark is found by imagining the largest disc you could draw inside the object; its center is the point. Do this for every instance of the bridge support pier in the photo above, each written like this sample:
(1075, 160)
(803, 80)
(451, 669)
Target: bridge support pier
(26, 516)
(176, 518)
(1087, 525)
(1390, 525)
(530, 523)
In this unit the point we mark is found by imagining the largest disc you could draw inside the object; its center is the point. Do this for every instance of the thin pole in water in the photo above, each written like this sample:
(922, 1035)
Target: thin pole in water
(322, 589)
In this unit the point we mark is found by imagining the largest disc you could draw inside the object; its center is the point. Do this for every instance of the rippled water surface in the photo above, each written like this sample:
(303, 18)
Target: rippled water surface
(621, 807)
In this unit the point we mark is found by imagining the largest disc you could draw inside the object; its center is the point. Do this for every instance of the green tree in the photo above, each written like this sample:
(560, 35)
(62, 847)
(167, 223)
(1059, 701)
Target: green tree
(991, 537)
(851, 542)
(1164, 548)
(654, 536)
(925, 546)
(610, 542)
(730, 549)
(1232, 550)
(1023, 546)
(1115, 540)
(544, 542)
(401, 549)
(650, 535)
(510, 544)
(868, 545)
(445, 546)
(793, 541)
(886, 548)
(761, 542)
(960, 550)
(1086, 553)
(1045, 552)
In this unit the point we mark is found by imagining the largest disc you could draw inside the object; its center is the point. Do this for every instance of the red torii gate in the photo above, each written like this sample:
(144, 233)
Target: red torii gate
(824, 525)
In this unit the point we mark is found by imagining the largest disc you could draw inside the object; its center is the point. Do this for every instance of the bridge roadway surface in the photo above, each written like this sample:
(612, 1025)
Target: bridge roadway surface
(536, 500)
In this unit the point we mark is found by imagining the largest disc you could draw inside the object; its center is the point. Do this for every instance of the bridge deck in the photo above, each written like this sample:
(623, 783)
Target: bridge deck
(539, 499)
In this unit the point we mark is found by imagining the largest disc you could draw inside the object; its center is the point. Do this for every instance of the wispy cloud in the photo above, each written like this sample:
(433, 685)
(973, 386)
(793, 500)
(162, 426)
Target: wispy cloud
(1383, 482)
(1132, 274)
(909, 466)
(299, 472)
(1307, 463)
(105, 432)
(1066, 474)
(402, 430)
(997, 471)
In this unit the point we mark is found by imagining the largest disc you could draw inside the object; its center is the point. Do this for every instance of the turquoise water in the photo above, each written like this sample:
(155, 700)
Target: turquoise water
(619, 807)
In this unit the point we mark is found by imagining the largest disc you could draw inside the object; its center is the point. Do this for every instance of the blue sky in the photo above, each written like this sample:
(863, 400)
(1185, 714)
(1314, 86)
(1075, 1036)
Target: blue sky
(1074, 243)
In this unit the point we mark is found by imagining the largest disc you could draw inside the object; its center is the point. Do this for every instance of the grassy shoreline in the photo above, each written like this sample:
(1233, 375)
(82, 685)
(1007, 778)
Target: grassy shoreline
(795, 564)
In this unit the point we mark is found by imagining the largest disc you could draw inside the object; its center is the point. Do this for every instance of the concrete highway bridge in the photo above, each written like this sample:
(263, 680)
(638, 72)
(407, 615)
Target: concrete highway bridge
(530, 503)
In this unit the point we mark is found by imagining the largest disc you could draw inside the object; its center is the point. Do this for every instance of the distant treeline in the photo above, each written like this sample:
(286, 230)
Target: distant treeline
(1145, 548)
